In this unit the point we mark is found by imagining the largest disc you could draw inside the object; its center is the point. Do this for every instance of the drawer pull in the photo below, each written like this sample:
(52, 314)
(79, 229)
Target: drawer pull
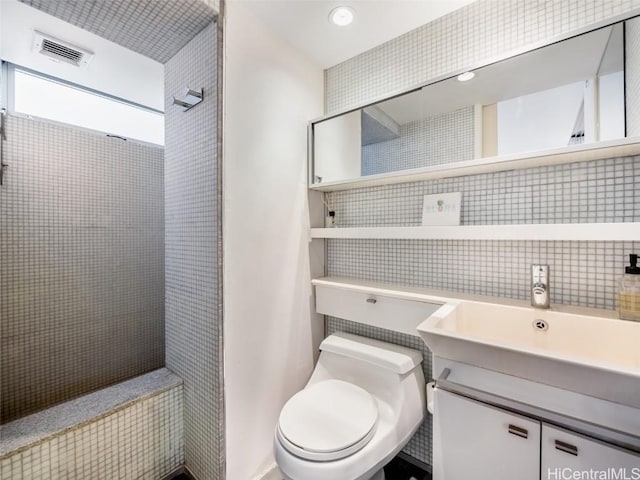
(518, 431)
(371, 300)
(567, 448)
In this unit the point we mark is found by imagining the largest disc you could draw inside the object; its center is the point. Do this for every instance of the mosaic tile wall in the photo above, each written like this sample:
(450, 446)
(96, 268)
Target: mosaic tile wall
(595, 191)
(157, 30)
(81, 264)
(582, 273)
(193, 321)
(423, 143)
(141, 441)
(461, 39)
(632, 76)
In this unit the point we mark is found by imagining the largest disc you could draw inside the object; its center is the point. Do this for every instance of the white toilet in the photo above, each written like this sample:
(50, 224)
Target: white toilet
(363, 403)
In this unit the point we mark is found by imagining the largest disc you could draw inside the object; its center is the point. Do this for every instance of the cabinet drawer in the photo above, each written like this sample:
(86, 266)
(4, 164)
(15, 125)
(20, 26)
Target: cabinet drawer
(564, 452)
(377, 310)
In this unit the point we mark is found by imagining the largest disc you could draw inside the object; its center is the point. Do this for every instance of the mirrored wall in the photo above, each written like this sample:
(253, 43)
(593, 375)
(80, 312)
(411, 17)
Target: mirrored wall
(563, 95)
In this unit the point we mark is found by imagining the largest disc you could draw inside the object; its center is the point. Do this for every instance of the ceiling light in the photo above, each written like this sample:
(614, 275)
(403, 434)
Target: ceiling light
(341, 16)
(466, 76)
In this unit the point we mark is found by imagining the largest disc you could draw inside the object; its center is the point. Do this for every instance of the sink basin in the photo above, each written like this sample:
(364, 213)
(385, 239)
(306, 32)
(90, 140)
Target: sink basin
(593, 355)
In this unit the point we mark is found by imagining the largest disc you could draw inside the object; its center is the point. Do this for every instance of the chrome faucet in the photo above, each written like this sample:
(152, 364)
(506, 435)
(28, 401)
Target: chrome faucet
(540, 286)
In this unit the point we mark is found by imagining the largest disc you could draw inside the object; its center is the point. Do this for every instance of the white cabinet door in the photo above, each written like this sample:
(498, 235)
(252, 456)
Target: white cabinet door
(337, 147)
(564, 453)
(472, 440)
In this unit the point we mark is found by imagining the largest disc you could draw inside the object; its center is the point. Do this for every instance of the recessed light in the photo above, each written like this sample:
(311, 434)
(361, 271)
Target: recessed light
(341, 16)
(466, 76)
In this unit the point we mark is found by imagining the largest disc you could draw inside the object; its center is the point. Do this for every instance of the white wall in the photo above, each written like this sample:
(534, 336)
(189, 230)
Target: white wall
(114, 69)
(270, 333)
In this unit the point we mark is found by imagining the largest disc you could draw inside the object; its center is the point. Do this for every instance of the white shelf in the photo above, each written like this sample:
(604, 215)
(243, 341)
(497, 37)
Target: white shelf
(554, 231)
(575, 153)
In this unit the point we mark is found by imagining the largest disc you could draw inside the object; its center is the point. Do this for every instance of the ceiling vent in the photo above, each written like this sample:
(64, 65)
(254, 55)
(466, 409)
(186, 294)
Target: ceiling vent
(61, 51)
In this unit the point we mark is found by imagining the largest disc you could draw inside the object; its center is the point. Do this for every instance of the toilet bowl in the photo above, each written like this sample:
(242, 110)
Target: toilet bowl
(362, 404)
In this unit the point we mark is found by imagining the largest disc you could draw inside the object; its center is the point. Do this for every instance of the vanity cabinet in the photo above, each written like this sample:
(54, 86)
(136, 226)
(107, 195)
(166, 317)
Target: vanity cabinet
(563, 449)
(472, 439)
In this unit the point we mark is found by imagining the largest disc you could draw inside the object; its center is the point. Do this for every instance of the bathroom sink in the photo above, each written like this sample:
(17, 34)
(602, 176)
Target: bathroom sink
(589, 354)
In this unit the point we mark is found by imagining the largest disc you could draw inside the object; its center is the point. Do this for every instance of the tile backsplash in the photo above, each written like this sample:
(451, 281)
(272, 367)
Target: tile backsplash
(582, 273)
(585, 192)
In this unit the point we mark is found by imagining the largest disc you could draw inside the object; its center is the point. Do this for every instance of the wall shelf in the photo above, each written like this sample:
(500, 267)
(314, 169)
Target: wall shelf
(575, 153)
(628, 231)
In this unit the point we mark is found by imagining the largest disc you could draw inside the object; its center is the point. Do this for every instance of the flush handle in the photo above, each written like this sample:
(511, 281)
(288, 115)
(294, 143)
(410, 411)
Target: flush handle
(566, 447)
(371, 300)
(518, 431)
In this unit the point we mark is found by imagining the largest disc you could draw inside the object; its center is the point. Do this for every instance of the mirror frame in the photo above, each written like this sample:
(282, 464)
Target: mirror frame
(575, 153)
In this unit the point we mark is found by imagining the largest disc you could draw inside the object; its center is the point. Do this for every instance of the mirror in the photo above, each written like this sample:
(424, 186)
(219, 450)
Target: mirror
(565, 94)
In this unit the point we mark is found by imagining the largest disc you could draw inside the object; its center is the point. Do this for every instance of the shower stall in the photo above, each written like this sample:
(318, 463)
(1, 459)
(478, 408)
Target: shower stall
(109, 240)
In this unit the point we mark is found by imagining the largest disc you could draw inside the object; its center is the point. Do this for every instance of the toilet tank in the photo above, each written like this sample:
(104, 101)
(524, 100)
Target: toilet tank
(391, 372)
(380, 355)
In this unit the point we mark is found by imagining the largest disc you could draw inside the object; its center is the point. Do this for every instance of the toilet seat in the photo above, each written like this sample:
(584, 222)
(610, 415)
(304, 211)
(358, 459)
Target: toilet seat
(328, 420)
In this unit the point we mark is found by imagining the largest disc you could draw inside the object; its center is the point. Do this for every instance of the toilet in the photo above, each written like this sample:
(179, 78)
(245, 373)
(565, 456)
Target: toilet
(362, 404)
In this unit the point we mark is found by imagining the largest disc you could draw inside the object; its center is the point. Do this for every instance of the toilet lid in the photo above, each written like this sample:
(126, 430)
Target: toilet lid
(328, 420)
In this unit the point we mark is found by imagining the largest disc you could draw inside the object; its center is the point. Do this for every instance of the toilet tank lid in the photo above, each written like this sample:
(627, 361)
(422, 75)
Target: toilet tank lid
(382, 354)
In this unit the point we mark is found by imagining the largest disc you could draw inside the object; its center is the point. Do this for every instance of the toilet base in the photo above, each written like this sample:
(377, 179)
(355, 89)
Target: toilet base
(379, 475)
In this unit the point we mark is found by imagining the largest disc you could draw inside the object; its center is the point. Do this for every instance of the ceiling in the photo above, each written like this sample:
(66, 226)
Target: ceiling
(156, 29)
(114, 69)
(305, 24)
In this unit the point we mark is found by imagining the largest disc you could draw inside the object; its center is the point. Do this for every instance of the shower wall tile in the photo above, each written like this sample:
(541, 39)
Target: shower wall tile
(157, 30)
(582, 273)
(459, 40)
(81, 264)
(192, 236)
(143, 440)
(431, 141)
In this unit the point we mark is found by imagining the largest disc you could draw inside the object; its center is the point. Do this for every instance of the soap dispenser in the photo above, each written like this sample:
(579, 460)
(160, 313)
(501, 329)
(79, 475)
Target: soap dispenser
(629, 291)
